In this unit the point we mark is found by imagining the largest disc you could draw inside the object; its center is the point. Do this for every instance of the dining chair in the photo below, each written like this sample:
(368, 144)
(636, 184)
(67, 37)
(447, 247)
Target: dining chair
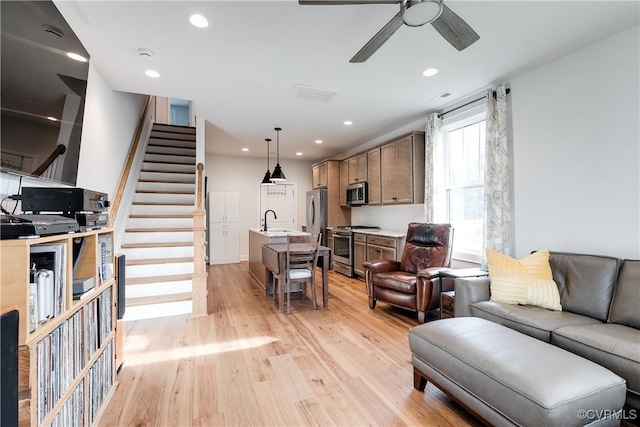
(301, 265)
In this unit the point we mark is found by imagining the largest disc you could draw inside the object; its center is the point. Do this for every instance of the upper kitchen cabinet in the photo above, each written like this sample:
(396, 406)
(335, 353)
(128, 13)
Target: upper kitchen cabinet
(320, 175)
(402, 170)
(373, 176)
(358, 168)
(344, 181)
(329, 171)
(224, 206)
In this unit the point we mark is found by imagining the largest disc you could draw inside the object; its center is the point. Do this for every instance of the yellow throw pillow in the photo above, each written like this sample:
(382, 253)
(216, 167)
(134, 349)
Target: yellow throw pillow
(545, 294)
(510, 278)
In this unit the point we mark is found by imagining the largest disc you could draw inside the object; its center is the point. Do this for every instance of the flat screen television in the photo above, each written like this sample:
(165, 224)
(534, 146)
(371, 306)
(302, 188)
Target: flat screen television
(43, 92)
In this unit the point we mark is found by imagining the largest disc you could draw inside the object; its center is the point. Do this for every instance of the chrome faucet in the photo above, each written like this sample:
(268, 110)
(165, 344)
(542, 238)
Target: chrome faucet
(265, 218)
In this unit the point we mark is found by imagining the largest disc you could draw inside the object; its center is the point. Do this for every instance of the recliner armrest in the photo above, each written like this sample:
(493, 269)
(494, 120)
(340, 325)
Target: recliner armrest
(381, 266)
(431, 272)
(469, 290)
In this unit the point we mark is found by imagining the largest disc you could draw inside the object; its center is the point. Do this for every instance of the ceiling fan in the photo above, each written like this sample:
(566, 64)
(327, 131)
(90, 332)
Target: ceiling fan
(413, 13)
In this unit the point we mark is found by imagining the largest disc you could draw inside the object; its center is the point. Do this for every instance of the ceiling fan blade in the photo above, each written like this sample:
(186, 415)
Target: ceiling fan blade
(454, 30)
(379, 39)
(340, 2)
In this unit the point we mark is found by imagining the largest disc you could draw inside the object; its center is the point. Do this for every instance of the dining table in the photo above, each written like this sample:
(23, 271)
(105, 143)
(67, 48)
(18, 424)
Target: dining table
(274, 258)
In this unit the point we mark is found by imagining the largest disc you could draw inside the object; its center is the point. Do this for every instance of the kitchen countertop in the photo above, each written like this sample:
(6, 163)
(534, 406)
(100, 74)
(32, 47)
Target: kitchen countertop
(384, 233)
(278, 232)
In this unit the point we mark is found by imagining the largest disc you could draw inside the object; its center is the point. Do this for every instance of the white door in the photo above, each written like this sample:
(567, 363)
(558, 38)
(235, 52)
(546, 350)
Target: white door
(280, 198)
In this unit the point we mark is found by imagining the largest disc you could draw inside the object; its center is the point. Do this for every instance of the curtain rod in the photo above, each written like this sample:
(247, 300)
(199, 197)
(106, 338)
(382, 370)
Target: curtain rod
(469, 103)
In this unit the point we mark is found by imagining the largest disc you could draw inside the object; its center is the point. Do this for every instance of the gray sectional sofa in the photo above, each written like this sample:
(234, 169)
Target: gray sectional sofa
(600, 317)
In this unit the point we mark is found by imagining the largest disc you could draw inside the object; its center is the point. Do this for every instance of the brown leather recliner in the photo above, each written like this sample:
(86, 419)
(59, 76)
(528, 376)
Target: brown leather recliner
(413, 283)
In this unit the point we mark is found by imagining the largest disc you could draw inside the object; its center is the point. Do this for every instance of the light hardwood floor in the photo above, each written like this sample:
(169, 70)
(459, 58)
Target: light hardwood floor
(247, 364)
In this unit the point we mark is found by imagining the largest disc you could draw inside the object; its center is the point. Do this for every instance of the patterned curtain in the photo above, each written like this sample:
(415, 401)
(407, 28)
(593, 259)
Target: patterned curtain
(497, 203)
(433, 174)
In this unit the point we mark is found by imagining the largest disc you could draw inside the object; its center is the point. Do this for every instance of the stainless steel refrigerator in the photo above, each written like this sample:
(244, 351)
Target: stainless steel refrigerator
(317, 207)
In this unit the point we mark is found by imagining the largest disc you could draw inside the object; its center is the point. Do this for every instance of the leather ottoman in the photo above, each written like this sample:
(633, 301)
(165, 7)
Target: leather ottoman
(508, 378)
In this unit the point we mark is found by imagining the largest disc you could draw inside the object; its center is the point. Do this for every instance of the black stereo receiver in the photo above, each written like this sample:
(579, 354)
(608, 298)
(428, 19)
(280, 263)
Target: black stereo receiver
(62, 199)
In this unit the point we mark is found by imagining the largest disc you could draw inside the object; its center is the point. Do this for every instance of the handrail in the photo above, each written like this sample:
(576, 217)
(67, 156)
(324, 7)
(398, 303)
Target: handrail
(117, 198)
(59, 150)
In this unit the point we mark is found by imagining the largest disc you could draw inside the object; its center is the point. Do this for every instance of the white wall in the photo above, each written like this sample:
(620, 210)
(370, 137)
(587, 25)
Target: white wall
(110, 119)
(244, 174)
(577, 151)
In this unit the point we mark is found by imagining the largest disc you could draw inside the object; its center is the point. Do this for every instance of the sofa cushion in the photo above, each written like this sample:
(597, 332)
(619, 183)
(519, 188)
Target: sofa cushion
(613, 346)
(510, 278)
(586, 282)
(625, 308)
(534, 321)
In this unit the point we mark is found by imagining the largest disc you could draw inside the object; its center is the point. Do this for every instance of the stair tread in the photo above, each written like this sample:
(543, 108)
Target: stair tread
(167, 171)
(158, 299)
(162, 204)
(158, 279)
(148, 261)
(158, 229)
(192, 192)
(164, 216)
(155, 245)
(168, 163)
(161, 181)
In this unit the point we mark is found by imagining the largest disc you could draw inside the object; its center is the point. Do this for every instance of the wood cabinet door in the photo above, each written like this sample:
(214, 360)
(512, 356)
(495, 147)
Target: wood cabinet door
(316, 176)
(404, 170)
(353, 169)
(323, 175)
(361, 174)
(344, 181)
(359, 250)
(388, 173)
(373, 176)
(380, 252)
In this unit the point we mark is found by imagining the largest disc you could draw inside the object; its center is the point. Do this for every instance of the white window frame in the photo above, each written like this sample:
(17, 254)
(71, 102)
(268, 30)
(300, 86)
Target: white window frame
(468, 118)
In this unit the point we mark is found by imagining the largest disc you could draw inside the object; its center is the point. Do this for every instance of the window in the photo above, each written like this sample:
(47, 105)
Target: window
(463, 144)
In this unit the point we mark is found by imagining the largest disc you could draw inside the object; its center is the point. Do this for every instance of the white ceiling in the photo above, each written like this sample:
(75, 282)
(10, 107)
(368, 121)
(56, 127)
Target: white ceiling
(241, 70)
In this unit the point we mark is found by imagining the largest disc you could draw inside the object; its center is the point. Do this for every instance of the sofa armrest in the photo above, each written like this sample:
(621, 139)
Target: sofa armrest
(431, 272)
(469, 290)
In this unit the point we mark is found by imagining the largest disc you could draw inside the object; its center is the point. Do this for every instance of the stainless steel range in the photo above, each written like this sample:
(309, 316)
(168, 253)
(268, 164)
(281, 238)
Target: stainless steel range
(343, 247)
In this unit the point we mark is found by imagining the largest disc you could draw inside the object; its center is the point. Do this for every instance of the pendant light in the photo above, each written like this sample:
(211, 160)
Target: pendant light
(278, 175)
(267, 176)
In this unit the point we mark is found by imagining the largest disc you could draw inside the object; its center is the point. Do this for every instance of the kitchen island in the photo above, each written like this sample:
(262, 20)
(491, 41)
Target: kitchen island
(257, 238)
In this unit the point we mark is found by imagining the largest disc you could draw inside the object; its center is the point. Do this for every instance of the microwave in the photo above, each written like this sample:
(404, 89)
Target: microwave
(358, 194)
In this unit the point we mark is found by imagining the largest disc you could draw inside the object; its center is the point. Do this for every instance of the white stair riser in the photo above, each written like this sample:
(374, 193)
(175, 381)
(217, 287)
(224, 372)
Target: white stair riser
(169, 167)
(158, 237)
(161, 210)
(134, 271)
(165, 198)
(160, 223)
(172, 137)
(169, 177)
(171, 150)
(158, 310)
(164, 252)
(152, 289)
(164, 186)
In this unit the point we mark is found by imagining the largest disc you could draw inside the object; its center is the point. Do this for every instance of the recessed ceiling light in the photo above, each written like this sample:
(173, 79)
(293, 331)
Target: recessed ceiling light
(152, 73)
(76, 57)
(348, 123)
(298, 154)
(430, 72)
(198, 21)
(318, 141)
(53, 119)
(245, 149)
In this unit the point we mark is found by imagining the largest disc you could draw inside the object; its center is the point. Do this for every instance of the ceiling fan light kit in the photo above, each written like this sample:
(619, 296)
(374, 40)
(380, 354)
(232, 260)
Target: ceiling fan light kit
(418, 13)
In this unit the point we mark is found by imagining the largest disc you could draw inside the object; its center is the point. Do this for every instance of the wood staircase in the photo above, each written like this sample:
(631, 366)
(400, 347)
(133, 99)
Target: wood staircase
(158, 239)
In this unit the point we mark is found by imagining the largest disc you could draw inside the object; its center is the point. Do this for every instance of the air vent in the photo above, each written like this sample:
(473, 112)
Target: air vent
(310, 93)
(442, 95)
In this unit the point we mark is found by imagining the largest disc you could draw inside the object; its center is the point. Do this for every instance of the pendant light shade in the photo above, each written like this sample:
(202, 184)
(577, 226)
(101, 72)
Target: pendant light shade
(278, 175)
(267, 176)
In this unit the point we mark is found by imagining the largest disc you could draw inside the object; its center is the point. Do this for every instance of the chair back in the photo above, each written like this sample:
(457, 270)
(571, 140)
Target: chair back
(427, 245)
(302, 259)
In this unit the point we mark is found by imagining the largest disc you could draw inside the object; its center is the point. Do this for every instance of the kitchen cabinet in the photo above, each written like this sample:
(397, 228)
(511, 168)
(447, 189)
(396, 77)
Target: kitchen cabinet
(336, 213)
(402, 170)
(359, 253)
(224, 206)
(224, 227)
(320, 175)
(382, 247)
(358, 168)
(224, 244)
(373, 176)
(344, 181)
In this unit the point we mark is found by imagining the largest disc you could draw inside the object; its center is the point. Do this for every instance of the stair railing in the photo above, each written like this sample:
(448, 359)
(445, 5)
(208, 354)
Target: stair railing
(133, 149)
(49, 167)
(199, 282)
